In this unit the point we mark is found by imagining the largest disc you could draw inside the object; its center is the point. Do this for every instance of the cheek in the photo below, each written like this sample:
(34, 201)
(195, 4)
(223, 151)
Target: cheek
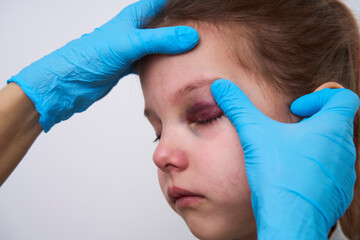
(234, 154)
(237, 175)
(224, 166)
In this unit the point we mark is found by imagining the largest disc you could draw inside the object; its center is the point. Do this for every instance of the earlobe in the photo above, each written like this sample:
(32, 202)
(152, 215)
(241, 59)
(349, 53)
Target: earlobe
(333, 85)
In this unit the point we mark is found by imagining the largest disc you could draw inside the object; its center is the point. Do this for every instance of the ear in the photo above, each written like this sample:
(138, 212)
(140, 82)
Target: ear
(333, 85)
(311, 103)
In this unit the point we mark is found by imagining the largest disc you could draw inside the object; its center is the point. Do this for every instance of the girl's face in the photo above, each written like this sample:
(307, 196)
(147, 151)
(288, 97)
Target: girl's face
(199, 156)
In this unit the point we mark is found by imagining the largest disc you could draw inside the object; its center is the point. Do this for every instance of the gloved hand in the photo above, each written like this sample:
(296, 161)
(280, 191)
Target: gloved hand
(73, 77)
(301, 175)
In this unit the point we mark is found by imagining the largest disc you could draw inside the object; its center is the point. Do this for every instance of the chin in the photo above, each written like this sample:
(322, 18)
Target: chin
(213, 235)
(213, 229)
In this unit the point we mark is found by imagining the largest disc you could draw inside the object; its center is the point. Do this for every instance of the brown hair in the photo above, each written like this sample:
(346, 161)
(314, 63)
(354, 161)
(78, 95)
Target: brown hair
(297, 45)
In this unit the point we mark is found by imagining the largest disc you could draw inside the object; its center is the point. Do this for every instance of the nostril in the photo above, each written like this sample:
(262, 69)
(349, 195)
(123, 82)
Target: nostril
(169, 167)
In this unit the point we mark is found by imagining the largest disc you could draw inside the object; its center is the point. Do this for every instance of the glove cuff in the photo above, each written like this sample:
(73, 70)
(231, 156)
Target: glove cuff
(46, 120)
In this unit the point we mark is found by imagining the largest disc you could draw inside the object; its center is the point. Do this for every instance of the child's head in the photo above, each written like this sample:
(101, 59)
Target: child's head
(199, 150)
(275, 51)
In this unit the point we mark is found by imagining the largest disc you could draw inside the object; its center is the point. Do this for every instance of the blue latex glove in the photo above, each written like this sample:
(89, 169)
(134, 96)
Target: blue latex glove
(73, 77)
(301, 175)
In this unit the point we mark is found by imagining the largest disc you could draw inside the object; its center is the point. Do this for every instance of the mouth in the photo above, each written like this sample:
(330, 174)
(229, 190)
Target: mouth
(183, 198)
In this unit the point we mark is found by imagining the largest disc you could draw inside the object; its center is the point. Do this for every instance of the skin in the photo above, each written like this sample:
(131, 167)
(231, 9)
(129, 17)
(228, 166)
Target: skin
(205, 158)
(19, 127)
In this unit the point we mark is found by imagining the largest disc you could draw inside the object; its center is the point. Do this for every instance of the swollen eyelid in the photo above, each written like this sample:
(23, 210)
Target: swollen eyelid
(201, 112)
(210, 120)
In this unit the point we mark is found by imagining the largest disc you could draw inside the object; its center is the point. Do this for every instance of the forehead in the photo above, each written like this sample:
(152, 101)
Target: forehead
(204, 64)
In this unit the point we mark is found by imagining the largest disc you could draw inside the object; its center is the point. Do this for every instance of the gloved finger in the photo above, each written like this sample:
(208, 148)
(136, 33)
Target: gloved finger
(239, 109)
(168, 40)
(341, 101)
(138, 13)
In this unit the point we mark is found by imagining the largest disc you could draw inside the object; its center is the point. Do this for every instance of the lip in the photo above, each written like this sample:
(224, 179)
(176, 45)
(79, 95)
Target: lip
(183, 198)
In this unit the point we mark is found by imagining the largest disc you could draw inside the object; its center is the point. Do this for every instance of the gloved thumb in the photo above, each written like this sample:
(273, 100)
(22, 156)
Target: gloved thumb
(342, 100)
(167, 40)
(239, 109)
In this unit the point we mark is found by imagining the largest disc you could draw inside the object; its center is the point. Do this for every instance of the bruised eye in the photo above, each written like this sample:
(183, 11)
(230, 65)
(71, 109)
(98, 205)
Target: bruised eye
(204, 113)
(210, 120)
(199, 122)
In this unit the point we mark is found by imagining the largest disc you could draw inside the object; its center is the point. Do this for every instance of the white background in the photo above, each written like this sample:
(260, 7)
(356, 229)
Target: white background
(91, 177)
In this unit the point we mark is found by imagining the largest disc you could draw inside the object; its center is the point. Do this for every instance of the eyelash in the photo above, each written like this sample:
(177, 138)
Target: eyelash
(208, 121)
(157, 138)
(201, 122)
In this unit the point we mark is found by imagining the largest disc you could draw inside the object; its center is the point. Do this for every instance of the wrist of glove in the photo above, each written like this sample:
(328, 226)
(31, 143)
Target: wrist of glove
(73, 77)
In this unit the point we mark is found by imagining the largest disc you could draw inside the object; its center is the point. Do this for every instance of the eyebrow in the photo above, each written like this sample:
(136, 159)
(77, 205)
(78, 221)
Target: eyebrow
(191, 87)
(196, 84)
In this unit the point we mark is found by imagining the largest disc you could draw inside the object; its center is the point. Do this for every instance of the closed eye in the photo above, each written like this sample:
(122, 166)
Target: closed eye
(210, 120)
(199, 122)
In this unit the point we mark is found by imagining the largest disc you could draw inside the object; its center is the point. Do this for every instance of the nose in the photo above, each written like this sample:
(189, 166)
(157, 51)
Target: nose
(170, 155)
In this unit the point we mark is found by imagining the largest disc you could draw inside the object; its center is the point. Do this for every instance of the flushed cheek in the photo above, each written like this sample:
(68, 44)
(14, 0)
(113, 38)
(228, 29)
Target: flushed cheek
(224, 161)
(226, 182)
(237, 178)
(216, 165)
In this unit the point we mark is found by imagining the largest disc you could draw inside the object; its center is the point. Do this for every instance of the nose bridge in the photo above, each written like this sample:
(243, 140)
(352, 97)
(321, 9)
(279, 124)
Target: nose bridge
(171, 154)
